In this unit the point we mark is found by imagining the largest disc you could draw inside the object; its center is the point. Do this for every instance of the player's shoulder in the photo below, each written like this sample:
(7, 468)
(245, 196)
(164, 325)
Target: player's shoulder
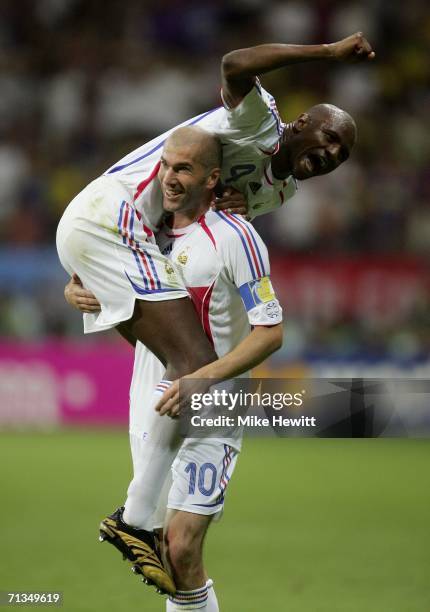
(231, 231)
(256, 99)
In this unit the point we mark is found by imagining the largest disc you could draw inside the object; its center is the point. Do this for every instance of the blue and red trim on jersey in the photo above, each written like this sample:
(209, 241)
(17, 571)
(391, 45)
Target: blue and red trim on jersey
(144, 261)
(247, 237)
(160, 144)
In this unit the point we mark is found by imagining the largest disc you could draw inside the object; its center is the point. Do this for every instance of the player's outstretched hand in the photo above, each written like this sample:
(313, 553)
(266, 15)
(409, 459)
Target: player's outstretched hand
(80, 298)
(354, 48)
(231, 201)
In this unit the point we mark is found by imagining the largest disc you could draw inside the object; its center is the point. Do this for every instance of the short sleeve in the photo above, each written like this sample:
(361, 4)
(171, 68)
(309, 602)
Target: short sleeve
(247, 264)
(254, 110)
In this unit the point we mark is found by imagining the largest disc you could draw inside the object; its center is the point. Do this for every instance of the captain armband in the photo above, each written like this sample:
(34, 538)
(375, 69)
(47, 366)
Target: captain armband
(260, 302)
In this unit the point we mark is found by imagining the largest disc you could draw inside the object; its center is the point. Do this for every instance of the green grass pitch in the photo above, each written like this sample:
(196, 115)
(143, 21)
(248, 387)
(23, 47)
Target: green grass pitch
(309, 526)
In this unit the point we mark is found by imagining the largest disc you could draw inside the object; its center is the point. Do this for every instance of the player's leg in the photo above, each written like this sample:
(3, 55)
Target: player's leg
(184, 547)
(173, 333)
(101, 238)
(185, 533)
(201, 473)
(154, 444)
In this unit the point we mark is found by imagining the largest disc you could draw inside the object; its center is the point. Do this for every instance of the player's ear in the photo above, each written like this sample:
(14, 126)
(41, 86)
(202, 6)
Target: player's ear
(301, 122)
(213, 178)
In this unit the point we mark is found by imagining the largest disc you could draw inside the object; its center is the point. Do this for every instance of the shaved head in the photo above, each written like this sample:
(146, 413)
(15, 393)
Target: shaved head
(316, 143)
(206, 146)
(336, 118)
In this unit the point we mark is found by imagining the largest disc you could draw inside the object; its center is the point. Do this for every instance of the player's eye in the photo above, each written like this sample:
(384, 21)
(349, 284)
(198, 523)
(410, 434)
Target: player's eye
(330, 137)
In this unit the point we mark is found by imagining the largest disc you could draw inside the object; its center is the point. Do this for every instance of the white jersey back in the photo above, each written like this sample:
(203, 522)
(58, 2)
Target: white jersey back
(250, 135)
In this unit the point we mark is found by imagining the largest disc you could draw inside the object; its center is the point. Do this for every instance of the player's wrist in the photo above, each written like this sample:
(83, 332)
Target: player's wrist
(330, 50)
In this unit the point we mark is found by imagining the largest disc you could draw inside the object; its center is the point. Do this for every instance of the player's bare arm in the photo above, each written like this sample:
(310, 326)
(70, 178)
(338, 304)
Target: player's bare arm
(255, 348)
(239, 68)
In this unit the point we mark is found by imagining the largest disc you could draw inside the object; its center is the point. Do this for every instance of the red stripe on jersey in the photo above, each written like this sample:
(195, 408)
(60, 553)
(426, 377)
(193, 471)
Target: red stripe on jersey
(144, 184)
(267, 177)
(205, 314)
(204, 227)
(275, 150)
(201, 297)
(148, 231)
(147, 268)
(249, 241)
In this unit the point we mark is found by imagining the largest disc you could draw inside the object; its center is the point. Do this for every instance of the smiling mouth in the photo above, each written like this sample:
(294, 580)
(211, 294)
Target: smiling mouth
(171, 194)
(315, 162)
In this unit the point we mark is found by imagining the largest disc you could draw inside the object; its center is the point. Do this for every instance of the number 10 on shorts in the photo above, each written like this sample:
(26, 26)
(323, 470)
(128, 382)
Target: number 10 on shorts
(206, 478)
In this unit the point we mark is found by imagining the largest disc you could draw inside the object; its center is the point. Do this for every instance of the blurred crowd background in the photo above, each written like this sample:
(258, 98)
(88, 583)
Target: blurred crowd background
(84, 81)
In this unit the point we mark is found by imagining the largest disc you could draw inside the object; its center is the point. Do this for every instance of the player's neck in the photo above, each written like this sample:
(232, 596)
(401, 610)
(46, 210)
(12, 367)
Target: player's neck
(183, 218)
(280, 163)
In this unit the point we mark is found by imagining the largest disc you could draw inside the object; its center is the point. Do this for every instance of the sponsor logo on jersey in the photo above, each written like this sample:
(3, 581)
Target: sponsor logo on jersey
(167, 249)
(254, 187)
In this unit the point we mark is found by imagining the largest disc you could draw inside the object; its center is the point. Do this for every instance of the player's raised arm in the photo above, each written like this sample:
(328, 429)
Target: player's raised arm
(239, 68)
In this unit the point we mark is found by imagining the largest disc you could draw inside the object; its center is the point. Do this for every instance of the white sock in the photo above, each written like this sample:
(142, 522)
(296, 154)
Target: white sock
(152, 459)
(188, 600)
(203, 599)
(212, 603)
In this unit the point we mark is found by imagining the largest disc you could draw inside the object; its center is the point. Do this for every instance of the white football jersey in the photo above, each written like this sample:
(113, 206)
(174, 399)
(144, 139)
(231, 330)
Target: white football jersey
(249, 133)
(225, 267)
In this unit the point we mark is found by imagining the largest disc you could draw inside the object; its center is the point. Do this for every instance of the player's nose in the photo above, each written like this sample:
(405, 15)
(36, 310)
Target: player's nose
(169, 176)
(333, 149)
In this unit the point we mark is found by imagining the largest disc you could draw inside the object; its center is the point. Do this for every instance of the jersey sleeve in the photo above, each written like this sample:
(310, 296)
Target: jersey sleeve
(269, 193)
(256, 113)
(247, 264)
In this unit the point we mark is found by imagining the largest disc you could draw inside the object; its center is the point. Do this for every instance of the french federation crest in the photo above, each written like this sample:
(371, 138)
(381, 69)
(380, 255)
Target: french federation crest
(170, 270)
(183, 257)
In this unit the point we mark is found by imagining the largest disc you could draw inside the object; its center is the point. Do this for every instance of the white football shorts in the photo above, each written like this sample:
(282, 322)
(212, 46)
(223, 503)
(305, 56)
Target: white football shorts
(200, 475)
(197, 481)
(102, 238)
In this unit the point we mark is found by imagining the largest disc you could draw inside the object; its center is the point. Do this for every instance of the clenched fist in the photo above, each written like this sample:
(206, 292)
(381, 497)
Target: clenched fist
(354, 48)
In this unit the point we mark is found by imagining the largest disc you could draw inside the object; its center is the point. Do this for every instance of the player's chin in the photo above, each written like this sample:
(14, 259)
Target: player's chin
(172, 204)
